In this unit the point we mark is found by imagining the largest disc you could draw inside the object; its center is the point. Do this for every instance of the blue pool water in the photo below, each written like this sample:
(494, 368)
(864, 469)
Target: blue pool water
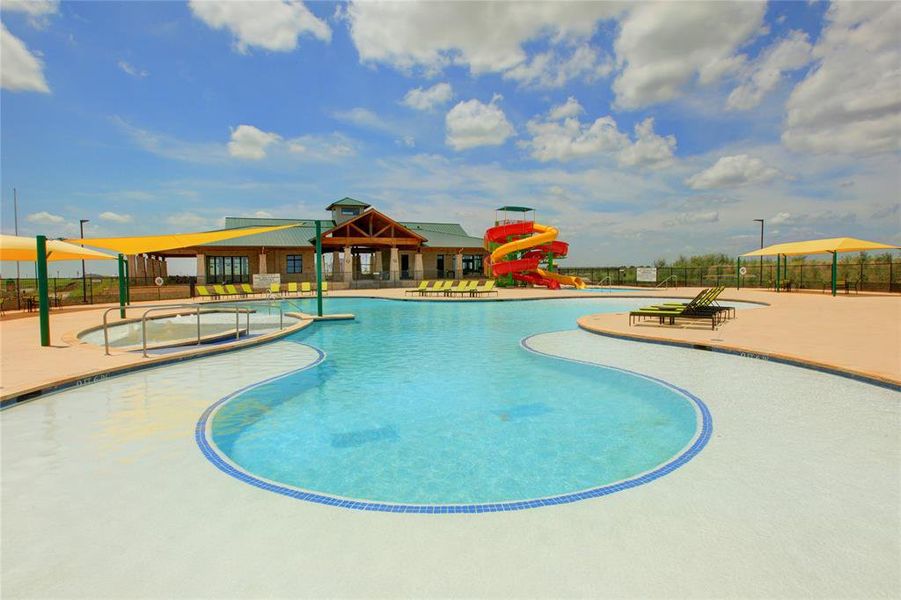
(438, 402)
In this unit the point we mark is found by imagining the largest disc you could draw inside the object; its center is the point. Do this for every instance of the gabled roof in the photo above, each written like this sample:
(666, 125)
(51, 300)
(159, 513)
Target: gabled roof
(371, 215)
(346, 201)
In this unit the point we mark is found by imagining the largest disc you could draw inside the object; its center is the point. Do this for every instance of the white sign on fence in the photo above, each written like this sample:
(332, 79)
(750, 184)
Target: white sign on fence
(264, 280)
(646, 274)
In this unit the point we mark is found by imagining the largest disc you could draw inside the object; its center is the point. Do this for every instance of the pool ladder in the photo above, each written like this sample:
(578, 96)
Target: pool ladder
(179, 310)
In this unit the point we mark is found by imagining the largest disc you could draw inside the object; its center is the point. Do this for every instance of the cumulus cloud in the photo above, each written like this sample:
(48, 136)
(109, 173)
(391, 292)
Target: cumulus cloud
(20, 70)
(487, 37)
(38, 11)
(648, 149)
(712, 216)
(789, 54)
(132, 70)
(44, 218)
(551, 70)
(250, 143)
(780, 218)
(561, 137)
(361, 117)
(472, 123)
(570, 108)
(663, 48)
(849, 103)
(115, 217)
(273, 25)
(429, 98)
(733, 171)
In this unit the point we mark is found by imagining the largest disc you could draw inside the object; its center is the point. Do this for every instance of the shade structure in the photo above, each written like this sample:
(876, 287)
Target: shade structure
(823, 246)
(15, 247)
(157, 243)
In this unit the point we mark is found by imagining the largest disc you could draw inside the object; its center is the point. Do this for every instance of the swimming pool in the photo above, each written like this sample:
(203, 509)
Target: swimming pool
(439, 403)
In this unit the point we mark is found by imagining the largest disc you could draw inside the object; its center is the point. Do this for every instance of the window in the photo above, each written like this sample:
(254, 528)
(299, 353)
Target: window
(295, 263)
(349, 211)
(472, 263)
(227, 269)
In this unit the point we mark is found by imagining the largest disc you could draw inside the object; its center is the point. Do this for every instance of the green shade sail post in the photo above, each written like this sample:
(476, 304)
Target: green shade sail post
(123, 285)
(778, 272)
(127, 284)
(834, 271)
(43, 296)
(738, 273)
(318, 268)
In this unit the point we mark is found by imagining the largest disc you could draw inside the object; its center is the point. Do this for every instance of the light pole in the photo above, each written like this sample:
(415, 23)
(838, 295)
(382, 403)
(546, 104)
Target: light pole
(760, 282)
(84, 281)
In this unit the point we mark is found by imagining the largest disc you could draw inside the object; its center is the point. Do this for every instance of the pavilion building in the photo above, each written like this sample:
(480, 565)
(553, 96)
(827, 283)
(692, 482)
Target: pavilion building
(359, 245)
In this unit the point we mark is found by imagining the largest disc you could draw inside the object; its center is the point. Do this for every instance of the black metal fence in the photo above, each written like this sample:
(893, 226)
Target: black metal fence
(865, 276)
(22, 293)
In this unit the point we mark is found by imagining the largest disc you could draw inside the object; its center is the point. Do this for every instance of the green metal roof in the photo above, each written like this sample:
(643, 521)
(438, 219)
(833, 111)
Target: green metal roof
(515, 208)
(439, 235)
(346, 201)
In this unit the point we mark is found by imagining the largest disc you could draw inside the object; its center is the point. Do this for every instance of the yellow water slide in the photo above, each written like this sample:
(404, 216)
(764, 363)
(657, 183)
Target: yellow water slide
(546, 234)
(576, 282)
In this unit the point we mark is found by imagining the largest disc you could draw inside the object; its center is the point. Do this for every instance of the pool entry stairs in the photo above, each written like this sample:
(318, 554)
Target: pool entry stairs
(519, 248)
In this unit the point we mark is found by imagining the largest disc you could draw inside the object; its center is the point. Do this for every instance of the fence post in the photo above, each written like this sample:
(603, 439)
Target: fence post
(43, 300)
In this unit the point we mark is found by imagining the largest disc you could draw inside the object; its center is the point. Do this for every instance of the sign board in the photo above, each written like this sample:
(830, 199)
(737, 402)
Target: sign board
(159, 281)
(743, 270)
(646, 274)
(264, 280)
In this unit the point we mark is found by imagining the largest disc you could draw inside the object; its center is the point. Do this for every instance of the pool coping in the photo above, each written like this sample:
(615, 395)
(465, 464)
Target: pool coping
(787, 359)
(203, 438)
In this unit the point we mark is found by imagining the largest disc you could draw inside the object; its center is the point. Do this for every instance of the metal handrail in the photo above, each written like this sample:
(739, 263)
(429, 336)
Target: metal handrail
(195, 307)
(674, 277)
(601, 282)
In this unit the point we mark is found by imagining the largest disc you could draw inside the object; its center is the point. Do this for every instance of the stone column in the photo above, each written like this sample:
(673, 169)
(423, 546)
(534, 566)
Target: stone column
(263, 268)
(394, 265)
(201, 269)
(336, 265)
(348, 267)
(377, 261)
(417, 266)
(458, 265)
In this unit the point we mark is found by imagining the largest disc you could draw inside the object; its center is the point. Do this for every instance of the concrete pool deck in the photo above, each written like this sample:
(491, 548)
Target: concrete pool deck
(106, 495)
(860, 333)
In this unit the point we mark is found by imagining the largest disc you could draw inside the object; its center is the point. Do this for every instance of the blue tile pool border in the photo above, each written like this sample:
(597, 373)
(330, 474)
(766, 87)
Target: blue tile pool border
(207, 447)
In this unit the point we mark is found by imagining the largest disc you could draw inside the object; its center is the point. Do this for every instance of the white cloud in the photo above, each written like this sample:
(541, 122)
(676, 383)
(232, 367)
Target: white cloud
(362, 117)
(487, 37)
(789, 54)
(189, 220)
(733, 171)
(663, 48)
(321, 147)
(132, 70)
(115, 217)
(44, 218)
(570, 139)
(429, 98)
(648, 149)
(473, 123)
(550, 70)
(779, 218)
(688, 218)
(272, 25)
(850, 103)
(570, 108)
(250, 143)
(20, 70)
(38, 11)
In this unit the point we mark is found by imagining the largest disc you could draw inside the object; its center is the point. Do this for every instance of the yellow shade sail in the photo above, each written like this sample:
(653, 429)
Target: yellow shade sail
(14, 247)
(158, 243)
(823, 246)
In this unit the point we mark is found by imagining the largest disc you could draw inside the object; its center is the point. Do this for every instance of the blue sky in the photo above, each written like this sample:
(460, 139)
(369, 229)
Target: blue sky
(640, 130)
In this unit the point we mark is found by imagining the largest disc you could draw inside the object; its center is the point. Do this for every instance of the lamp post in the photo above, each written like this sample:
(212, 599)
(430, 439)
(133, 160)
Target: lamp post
(84, 281)
(761, 247)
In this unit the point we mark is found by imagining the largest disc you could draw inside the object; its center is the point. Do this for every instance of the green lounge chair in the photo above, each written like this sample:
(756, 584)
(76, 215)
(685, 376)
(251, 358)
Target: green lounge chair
(232, 290)
(220, 291)
(325, 287)
(488, 288)
(461, 288)
(292, 288)
(203, 292)
(275, 288)
(305, 288)
(438, 288)
(248, 291)
(422, 286)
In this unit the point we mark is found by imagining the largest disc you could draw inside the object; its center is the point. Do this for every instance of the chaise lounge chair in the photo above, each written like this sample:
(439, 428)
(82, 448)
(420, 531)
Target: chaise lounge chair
(203, 292)
(248, 291)
(422, 286)
(275, 288)
(305, 288)
(486, 289)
